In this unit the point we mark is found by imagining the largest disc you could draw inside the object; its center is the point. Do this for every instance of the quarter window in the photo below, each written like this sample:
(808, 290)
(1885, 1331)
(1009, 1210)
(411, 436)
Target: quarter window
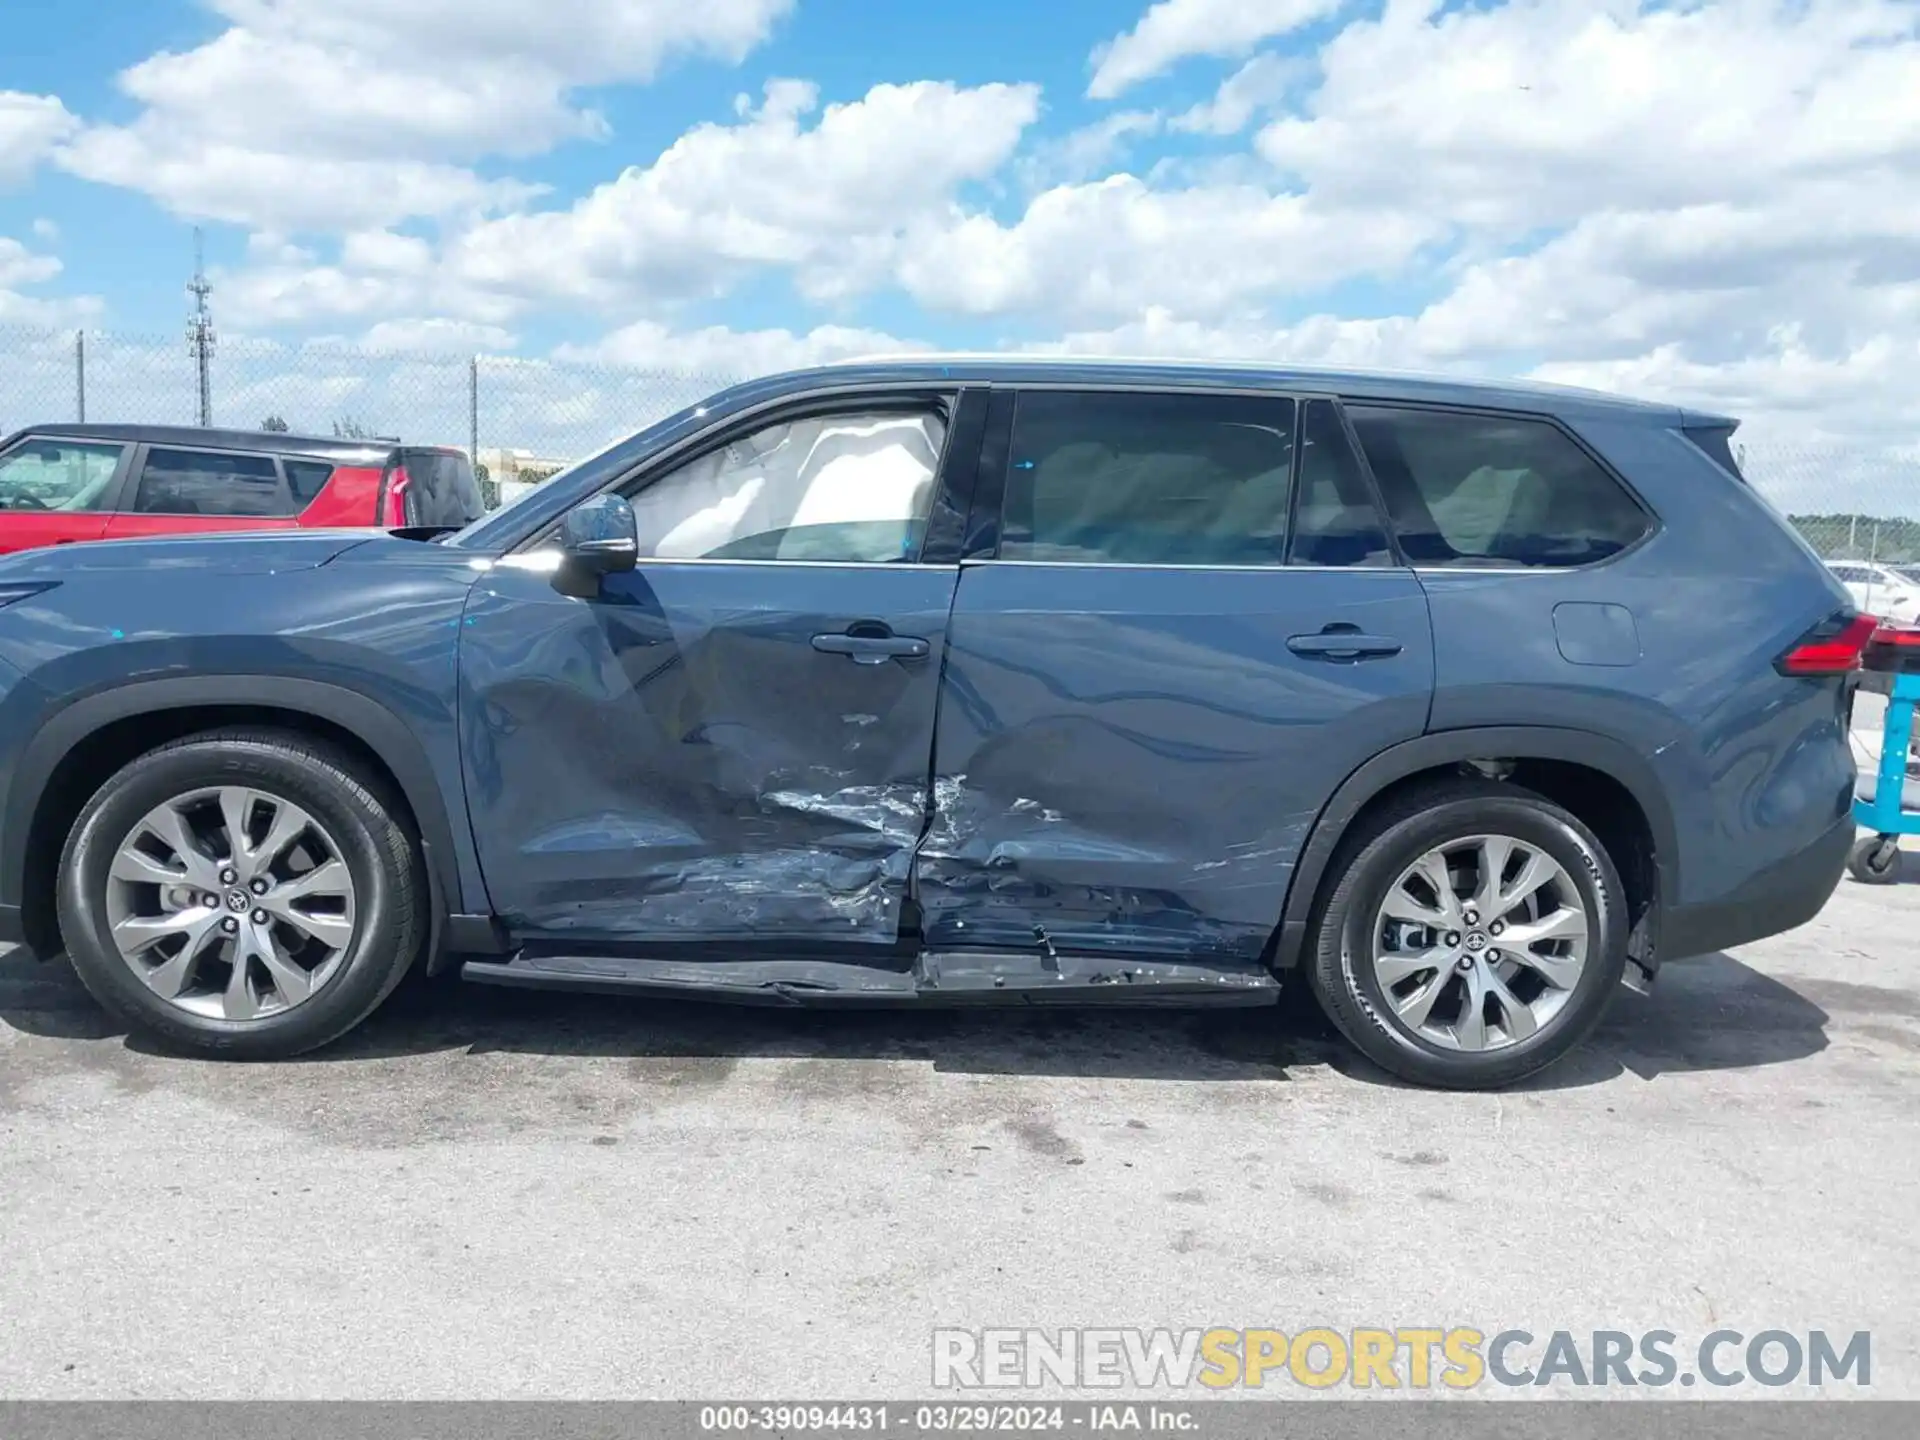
(1124, 478)
(1336, 521)
(850, 487)
(210, 482)
(307, 478)
(1477, 490)
(64, 475)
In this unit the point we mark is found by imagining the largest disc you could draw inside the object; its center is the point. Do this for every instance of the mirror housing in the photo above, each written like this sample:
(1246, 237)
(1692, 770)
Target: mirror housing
(598, 537)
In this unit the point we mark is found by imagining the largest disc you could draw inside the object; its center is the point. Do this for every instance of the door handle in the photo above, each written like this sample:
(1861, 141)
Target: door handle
(1332, 644)
(871, 649)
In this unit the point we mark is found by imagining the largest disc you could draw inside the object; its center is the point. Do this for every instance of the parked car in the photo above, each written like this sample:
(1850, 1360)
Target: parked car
(60, 483)
(957, 681)
(1879, 589)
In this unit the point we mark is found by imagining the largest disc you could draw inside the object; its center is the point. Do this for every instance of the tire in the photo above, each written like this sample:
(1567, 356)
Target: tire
(1376, 860)
(363, 929)
(1875, 860)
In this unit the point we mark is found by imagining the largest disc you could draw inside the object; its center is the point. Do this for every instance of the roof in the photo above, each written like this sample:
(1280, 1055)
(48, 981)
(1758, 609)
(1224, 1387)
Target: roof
(1010, 369)
(330, 445)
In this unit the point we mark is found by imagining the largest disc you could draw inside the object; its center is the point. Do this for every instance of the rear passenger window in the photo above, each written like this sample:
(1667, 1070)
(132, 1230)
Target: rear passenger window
(1493, 491)
(1122, 478)
(307, 478)
(210, 482)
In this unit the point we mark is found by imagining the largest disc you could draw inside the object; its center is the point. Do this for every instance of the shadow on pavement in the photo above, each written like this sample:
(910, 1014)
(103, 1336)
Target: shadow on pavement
(1712, 1014)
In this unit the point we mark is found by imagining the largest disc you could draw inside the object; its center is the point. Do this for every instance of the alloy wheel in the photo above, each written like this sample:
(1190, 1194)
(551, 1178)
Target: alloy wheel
(231, 903)
(1479, 943)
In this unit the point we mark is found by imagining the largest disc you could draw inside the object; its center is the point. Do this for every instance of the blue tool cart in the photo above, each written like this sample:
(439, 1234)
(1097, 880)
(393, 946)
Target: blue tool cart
(1887, 802)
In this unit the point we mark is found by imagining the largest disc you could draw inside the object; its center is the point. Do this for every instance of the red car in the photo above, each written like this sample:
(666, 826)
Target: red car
(60, 483)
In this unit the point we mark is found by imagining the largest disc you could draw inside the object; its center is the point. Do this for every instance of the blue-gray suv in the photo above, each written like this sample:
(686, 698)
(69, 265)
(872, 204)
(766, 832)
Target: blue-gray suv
(960, 680)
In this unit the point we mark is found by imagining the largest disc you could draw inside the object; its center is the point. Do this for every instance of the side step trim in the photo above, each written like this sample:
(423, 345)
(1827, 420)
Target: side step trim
(939, 978)
(762, 982)
(1020, 976)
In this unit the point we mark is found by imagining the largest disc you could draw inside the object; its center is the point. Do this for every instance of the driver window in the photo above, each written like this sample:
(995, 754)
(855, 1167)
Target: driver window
(58, 475)
(853, 486)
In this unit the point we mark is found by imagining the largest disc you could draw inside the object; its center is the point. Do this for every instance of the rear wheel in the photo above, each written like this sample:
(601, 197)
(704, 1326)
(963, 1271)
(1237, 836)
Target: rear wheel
(1474, 935)
(244, 894)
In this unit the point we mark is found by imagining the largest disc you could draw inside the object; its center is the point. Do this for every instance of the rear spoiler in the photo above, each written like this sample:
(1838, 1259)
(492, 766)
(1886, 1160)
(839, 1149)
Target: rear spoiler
(1713, 434)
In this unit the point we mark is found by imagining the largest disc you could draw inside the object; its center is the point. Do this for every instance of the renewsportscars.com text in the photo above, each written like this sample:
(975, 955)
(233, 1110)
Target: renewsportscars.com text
(1403, 1357)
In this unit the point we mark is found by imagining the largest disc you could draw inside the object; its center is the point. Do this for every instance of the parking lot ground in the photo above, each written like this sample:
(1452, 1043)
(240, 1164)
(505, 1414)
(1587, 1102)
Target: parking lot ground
(493, 1193)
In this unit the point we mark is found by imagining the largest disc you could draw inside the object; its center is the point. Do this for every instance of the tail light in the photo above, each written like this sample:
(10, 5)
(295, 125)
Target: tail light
(1833, 647)
(393, 501)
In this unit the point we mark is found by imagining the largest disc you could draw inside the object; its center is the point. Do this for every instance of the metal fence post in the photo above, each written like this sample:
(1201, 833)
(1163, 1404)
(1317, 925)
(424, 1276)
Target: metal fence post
(80, 374)
(473, 412)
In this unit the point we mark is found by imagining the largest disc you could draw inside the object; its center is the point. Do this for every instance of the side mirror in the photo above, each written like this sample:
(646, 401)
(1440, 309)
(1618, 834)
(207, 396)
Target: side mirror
(597, 537)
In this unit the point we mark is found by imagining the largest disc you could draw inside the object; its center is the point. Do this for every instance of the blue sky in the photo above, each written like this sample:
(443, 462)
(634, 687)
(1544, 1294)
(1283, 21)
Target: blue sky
(1716, 200)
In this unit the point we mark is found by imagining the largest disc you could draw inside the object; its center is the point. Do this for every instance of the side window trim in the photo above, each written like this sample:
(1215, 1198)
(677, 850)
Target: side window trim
(1381, 515)
(131, 464)
(957, 482)
(1654, 527)
(1383, 520)
(990, 485)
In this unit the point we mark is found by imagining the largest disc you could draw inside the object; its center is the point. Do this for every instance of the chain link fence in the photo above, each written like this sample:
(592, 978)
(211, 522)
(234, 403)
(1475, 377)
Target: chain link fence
(521, 420)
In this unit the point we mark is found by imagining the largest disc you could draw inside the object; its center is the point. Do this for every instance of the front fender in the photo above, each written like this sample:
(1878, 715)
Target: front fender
(448, 847)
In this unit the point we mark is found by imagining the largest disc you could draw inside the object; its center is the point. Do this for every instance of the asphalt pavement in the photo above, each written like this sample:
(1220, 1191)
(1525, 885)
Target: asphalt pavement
(489, 1193)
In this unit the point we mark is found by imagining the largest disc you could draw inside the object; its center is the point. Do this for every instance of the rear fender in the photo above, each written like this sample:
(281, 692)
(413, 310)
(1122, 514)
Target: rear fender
(1456, 747)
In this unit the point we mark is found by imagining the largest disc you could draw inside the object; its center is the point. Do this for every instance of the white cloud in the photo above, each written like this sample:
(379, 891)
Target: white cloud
(30, 127)
(1103, 251)
(738, 354)
(1542, 111)
(435, 336)
(250, 186)
(375, 279)
(21, 267)
(592, 40)
(1091, 152)
(1174, 30)
(829, 202)
(1258, 85)
(333, 114)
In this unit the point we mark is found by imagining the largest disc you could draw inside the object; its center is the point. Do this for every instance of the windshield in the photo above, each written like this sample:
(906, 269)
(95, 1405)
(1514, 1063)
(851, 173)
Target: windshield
(493, 527)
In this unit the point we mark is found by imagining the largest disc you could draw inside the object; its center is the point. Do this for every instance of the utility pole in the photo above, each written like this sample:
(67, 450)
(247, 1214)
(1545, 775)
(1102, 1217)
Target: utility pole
(200, 329)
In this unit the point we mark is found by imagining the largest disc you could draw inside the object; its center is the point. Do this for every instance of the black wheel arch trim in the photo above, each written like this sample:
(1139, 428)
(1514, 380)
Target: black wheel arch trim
(1454, 747)
(377, 727)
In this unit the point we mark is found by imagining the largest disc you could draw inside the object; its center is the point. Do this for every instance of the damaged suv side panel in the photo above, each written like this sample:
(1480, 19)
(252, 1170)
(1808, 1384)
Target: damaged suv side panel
(679, 762)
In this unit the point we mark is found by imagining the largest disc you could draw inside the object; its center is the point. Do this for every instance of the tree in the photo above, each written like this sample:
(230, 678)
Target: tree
(276, 424)
(348, 428)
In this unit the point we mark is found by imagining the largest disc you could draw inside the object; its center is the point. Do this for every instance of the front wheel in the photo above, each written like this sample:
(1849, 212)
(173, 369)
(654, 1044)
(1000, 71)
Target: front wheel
(1474, 935)
(245, 894)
